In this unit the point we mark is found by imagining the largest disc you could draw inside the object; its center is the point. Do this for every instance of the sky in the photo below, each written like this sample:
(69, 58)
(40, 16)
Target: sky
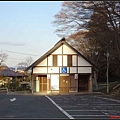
(26, 29)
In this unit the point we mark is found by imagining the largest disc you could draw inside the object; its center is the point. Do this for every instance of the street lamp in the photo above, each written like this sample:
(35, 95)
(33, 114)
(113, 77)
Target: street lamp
(107, 54)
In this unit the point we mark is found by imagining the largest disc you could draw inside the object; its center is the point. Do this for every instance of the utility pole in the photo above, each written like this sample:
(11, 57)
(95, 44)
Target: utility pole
(107, 72)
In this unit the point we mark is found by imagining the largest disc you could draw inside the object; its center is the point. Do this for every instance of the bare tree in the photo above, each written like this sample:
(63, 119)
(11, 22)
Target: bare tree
(3, 57)
(72, 17)
(28, 60)
(80, 42)
(26, 63)
(110, 12)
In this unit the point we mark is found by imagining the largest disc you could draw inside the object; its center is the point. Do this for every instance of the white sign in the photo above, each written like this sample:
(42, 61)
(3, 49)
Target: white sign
(48, 76)
(76, 76)
(55, 82)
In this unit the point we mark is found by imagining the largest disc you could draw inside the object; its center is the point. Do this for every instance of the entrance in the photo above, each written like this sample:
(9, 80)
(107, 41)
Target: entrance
(64, 84)
(43, 83)
(83, 83)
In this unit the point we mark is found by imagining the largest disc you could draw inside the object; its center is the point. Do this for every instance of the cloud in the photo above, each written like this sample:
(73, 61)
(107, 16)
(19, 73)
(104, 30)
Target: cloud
(12, 43)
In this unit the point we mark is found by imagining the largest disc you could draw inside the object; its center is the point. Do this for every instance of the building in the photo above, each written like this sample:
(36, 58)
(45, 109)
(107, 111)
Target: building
(62, 70)
(6, 75)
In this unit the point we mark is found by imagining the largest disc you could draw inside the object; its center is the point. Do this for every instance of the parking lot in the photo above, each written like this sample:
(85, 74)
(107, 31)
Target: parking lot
(88, 106)
(58, 106)
(28, 106)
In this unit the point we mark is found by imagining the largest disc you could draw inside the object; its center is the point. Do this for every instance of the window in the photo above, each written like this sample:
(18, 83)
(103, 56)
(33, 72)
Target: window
(54, 60)
(69, 60)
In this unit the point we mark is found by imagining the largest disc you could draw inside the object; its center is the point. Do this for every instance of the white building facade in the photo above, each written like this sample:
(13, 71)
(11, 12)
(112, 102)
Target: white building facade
(62, 70)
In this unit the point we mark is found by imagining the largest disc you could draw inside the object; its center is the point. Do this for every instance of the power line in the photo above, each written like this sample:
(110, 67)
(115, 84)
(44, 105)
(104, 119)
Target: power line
(15, 58)
(20, 53)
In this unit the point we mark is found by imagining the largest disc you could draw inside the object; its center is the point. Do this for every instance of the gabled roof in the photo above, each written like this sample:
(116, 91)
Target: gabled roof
(55, 47)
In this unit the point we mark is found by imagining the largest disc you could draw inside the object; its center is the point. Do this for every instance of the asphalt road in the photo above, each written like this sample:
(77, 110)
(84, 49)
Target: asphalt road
(89, 106)
(58, 106)
(28, 106)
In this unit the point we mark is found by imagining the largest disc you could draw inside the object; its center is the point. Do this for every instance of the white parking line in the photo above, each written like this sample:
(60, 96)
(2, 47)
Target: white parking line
(92, 110)
(69, 106)
(108, 99)
(99, 104)
(91, 115)
(69, 116)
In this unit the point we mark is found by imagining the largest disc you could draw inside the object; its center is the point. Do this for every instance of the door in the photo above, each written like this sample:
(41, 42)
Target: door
(64, 84)
(83, 83)
(43, 83)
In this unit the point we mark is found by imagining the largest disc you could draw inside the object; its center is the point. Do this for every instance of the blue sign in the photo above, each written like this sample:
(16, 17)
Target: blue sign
(64, 69)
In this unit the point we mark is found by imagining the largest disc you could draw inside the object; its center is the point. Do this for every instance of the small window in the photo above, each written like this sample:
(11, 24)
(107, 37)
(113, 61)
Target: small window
(69, 60)
(54, 60)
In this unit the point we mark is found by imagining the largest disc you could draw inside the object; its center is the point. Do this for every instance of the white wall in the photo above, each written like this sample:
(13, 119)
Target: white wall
(73, 69)
(43, 63)
(58, 51)
(40, 70)
(67, 50)
(74, 60)
(83, 62)
(64, 60)
(84, 69)
(59, 60)
(53, 69)
(50, 60)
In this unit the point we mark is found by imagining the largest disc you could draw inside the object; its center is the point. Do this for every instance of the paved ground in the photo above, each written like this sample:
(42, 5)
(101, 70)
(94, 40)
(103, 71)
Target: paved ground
(28, 106)
(59, 106)
(88, 106)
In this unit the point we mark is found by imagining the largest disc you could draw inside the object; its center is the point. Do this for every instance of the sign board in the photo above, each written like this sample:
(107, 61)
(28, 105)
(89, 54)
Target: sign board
(64, 69)
(76, 76)
(48, 76)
